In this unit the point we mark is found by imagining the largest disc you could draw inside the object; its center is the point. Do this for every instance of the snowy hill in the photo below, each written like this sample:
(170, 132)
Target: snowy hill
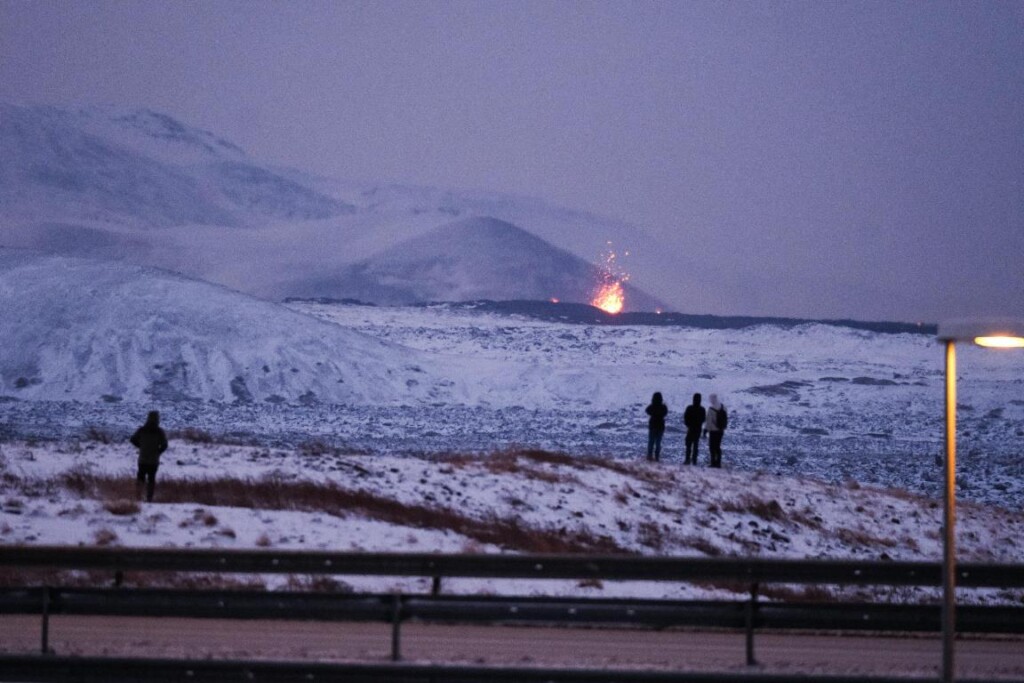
(474, 258)
(139, 168)
(86, 330)
(142, 187)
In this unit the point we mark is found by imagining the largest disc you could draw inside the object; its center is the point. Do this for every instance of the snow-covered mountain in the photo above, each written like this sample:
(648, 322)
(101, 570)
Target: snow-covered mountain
(469, 259)
(138, 168)
(142, 187)
(76, 329)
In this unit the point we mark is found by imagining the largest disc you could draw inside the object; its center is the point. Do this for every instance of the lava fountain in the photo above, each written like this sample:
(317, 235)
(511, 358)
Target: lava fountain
(610, 296)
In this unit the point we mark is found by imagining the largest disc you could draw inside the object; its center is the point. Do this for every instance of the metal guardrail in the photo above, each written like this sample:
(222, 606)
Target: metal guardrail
(248, 604)
(748, 615)
(118, 670)
(610, 568)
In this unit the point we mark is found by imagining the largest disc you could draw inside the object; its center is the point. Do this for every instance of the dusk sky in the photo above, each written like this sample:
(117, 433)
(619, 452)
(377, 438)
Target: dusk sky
(830, 159)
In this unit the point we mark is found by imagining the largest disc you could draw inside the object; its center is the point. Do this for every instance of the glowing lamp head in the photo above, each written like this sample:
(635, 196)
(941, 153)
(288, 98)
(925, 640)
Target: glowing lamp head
(1000, 342)
(997, 333)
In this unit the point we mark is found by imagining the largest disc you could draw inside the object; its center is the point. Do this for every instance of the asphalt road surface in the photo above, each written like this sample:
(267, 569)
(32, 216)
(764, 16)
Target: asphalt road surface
(523, 646)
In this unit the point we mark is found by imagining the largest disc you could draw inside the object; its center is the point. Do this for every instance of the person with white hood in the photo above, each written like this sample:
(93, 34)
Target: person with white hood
(714, 428)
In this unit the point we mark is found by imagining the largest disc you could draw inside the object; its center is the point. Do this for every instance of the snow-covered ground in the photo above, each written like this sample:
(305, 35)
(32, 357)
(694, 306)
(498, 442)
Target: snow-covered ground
(244, 496)
(821, 401)
(833, 451)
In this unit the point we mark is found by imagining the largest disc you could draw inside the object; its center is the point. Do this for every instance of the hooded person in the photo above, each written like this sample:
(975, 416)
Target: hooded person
(656, 426)
(714, 428)
(693, 419)
(151, 441)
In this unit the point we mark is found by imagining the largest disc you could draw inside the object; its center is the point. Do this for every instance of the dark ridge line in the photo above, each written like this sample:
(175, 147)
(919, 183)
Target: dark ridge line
(585, 314)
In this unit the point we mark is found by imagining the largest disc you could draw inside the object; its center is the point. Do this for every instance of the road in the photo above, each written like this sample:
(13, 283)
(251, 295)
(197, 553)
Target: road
(371, 642)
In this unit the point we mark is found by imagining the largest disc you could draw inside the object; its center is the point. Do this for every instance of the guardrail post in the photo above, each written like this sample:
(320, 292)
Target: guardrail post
(396, 622)
(435, 587)
(45, 635)
(751, 608)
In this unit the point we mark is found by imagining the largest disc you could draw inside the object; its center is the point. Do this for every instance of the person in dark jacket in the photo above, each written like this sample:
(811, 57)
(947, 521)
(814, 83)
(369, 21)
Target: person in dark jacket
(693, 418)
(151, 442)
(656, 426)
(714, 429)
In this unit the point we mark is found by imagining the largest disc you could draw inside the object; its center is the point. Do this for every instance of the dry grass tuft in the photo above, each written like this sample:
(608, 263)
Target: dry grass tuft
(860, 537)
(273, 493)
(651, 534)
(550, 457)
(703, 545)
(768, 510)
(122, 506)
(104, 537)
(525, 463)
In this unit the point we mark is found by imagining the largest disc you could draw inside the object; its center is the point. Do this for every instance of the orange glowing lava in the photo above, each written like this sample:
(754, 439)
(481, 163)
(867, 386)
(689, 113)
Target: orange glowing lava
(611, 295)
(610, 298)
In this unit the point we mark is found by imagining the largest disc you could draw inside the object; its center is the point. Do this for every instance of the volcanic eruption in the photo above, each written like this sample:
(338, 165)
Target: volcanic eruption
(610, 295)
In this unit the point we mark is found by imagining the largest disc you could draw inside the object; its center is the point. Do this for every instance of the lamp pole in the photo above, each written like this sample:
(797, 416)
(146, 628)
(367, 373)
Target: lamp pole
(949, 521)
(994, 333)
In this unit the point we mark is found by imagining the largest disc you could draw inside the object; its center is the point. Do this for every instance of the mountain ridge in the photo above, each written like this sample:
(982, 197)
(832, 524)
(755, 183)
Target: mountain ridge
(138, 166)
(139, 186)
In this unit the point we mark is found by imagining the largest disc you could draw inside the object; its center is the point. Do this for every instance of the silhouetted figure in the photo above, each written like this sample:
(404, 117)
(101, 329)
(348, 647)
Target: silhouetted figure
(714, 427)
(151, 442)
(693, 418)
(656, 426)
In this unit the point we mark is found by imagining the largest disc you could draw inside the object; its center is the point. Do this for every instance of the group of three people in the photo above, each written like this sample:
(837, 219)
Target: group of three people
(711, 422)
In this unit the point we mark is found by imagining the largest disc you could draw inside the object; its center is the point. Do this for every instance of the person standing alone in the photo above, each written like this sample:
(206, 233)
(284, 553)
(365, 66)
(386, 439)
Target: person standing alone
(714, 428)
(656, 426)
(693, 418)
(151, 441)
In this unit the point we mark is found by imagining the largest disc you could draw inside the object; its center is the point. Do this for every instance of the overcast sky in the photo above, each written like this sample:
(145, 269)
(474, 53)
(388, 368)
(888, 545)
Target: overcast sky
(842, 159)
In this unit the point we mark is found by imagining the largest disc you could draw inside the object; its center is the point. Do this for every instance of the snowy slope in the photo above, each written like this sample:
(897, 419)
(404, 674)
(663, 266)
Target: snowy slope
(91, 330)
(469, 259)
(504, 502)
(142, 187)
(137, 168)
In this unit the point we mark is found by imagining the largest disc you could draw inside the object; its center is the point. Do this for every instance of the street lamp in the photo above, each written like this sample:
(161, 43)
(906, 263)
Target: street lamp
(1002, 333)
